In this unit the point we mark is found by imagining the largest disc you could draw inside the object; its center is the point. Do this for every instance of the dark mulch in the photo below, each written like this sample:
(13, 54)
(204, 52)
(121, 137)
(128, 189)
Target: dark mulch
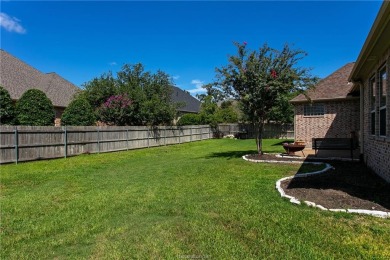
(351, 185)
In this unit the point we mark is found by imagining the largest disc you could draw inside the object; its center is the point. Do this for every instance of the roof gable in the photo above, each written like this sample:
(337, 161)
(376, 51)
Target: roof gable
(18, 77)
(335, 86)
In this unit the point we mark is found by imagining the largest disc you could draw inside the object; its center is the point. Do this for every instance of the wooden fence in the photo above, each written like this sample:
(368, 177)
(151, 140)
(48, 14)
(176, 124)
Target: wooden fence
(28, 143)
(271, 130)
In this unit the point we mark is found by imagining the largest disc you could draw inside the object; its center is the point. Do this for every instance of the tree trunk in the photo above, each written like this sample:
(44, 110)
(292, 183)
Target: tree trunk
(259, 127)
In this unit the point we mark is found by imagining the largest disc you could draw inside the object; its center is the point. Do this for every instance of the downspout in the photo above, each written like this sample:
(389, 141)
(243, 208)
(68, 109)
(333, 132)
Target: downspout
(361, 137)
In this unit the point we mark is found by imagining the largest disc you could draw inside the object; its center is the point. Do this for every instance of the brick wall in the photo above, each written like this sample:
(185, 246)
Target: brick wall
(376, 152)
(339, 120)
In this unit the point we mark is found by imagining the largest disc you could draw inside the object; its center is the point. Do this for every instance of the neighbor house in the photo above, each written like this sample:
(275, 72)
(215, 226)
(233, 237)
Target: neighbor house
(371, 80)
(189, 104)
(330, 110)
(18, 77)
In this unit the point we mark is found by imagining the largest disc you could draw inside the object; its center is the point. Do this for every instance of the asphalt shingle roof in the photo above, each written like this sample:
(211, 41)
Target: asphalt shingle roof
(335, 86)
(191, 104)
(17, 77)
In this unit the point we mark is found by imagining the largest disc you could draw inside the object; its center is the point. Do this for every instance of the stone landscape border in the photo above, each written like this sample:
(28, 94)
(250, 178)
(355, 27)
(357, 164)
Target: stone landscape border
(375, 213)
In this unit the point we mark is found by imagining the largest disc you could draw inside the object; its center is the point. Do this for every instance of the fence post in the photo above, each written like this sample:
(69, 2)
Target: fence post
(65, 142)
(16, 145)
(165, 135)
(190, 134)
(148, 137)
(179, 136)
(127, 139)
(98, 140)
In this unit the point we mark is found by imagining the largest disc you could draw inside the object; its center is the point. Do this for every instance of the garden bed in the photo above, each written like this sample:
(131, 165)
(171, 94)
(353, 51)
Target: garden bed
(349, 185)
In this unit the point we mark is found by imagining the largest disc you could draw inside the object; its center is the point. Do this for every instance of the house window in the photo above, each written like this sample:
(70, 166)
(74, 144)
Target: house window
(314, 110)
(372, 104)
(382, 101)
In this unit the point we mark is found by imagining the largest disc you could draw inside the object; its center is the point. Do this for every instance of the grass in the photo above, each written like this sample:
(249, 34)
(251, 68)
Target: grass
(191, 200)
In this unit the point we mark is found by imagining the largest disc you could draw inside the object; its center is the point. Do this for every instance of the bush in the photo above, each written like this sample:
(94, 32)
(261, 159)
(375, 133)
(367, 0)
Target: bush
(35, 108)
(189, 119)
(7, 109)
(78, 113)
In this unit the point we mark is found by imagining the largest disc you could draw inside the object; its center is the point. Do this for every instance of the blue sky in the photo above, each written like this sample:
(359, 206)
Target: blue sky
(187, 40)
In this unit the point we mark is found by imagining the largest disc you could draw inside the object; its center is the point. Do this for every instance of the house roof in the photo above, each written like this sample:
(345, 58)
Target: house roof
(375, 46)
(192, 105)
(335, 86)
(17, 77)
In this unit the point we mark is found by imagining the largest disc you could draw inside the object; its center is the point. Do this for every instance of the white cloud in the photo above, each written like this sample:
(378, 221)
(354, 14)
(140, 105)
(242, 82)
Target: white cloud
(112, 63)
(198, 86)
(175, 77)
(11, 24)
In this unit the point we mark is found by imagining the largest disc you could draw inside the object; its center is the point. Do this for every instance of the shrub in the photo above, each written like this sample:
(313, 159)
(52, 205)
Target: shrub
(79, 113)
(35, 108)
(7, 109)
(189, 119)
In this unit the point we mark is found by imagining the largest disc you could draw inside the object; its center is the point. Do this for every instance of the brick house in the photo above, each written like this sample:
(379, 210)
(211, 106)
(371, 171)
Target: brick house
(330, 110)
(371, 80)
(17, 77)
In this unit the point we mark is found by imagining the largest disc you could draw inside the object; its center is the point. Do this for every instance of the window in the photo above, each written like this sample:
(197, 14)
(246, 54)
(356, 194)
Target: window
(382, 101)
(314, 110)
(372, 104)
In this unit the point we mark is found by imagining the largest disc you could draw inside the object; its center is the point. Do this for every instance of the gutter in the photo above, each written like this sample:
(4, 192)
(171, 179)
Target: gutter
(323, 99)
(361, 121)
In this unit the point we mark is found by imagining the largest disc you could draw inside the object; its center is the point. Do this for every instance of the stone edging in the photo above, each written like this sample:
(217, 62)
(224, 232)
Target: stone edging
(375, 213)
(270, 161)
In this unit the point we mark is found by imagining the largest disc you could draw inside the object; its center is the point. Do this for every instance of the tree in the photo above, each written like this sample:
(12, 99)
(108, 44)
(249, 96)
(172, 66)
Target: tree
(158, 107)
(208, 109)
(117, 110)
(34, 108)
(7, 109)
(259, 78)
(79, 113)
(99, 89)
(283, 111)
(150, 95)
(226, 113)
(216, 94)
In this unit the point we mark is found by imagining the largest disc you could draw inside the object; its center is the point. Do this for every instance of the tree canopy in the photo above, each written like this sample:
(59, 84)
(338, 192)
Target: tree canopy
(133, 97)
(259, 79)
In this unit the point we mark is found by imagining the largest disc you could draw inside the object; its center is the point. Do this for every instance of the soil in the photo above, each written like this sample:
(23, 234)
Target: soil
(351, 185)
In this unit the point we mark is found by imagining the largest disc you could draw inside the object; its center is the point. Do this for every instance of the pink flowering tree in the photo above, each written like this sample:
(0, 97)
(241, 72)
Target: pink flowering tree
(258, 79)
(117, 110)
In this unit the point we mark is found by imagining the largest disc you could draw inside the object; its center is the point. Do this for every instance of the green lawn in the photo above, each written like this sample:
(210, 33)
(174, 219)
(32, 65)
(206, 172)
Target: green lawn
(191, 200)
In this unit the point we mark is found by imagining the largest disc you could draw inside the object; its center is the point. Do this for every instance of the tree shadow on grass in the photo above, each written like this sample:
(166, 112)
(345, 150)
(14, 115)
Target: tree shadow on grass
(230, 154)
(282, 142)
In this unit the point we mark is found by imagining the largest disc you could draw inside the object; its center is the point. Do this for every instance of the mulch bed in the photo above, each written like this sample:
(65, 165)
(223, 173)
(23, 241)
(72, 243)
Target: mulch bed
(350, 186)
